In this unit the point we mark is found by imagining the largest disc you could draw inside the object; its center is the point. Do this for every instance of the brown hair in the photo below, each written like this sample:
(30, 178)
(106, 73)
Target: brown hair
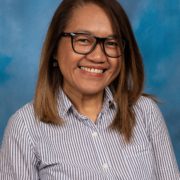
(128, 85)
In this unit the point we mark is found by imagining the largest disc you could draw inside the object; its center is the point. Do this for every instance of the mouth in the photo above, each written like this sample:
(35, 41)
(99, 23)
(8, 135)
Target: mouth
(93, 70)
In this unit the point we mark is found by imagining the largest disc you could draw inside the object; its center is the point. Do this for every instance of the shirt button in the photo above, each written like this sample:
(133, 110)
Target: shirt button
(105, 166)
(94, 134)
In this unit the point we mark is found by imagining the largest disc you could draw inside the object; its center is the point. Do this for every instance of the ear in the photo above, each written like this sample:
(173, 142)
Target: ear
(55, 57)
(55, 63)
(55, 53)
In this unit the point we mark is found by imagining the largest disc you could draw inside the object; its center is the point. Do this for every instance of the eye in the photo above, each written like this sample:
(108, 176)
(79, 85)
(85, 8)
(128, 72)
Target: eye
(111, 44)
(83, 40)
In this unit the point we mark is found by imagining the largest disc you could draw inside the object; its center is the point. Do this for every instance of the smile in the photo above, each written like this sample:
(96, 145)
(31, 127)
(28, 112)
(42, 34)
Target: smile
(92, 70)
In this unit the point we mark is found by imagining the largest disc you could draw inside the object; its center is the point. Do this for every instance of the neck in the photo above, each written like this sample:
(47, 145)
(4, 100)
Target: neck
(88, 105)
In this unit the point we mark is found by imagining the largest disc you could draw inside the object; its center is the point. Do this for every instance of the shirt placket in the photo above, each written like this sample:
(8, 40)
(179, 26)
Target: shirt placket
(100, 149)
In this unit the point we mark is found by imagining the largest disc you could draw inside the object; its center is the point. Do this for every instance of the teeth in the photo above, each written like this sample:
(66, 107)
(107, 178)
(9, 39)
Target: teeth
(92, 70)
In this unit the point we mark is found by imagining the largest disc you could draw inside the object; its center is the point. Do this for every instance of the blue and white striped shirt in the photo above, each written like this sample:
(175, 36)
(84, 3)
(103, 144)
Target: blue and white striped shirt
(84, 150)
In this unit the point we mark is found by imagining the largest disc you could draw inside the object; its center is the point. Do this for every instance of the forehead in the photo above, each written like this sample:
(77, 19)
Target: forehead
(90, 18)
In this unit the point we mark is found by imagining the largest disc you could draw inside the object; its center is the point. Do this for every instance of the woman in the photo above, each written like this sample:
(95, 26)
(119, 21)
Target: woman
(89, 118)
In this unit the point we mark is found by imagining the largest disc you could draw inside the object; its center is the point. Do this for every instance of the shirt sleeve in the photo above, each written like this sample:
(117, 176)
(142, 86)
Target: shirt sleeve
(166, 165)
(17, 157)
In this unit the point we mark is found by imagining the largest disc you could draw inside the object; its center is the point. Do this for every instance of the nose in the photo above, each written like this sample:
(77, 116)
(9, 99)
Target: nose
(97, 55)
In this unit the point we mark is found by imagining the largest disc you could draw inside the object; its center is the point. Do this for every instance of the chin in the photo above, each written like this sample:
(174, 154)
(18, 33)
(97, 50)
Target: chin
(91, 91)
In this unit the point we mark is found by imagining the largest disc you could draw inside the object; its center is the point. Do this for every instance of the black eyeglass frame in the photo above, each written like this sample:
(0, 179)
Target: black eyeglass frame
(99, 40)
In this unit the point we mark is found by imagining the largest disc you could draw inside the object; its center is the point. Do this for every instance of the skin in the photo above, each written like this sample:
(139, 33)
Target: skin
(85, 89)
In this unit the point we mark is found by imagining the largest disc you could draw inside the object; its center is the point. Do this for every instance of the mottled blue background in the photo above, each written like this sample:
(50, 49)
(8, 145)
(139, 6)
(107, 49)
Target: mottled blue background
(23, 25)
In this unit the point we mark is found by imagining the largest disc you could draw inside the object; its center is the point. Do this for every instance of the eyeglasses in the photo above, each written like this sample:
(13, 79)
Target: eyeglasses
(83, 43)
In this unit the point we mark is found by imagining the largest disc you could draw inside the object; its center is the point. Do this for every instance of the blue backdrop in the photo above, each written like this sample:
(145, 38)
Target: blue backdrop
(156, 24)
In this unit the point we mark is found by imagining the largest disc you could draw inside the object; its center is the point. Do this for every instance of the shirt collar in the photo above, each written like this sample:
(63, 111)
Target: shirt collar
(108, 99)
(65, 105)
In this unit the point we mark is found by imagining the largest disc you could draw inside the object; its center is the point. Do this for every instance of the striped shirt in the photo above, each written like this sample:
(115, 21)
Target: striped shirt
(84, 150)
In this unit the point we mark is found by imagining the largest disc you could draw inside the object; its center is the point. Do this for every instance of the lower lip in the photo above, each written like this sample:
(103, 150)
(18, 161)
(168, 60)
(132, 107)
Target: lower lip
(92, 74)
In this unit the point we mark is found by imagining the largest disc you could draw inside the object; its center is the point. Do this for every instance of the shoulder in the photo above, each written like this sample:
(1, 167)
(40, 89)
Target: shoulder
(24, 114)
(147, 110)
(21, 121)
(146, 103)
(147, 107)
(26, 109)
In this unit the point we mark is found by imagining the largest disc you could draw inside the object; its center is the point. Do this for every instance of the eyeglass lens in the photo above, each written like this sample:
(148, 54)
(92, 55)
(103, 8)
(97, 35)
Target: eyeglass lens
(84, 44)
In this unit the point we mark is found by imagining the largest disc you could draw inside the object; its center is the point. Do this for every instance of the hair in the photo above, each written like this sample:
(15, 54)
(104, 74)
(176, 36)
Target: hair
(128, 85)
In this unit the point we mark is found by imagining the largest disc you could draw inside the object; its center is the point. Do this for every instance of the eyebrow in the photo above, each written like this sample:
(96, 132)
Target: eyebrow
(90, 33)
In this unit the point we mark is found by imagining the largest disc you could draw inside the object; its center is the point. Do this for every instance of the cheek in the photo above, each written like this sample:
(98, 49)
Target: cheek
(63, 51)
(67, 64)
(62, 66)
(116, 67)
(63, 59)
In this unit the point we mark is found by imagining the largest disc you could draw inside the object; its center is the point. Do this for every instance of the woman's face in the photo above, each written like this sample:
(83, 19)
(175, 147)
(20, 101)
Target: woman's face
(87, 74)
